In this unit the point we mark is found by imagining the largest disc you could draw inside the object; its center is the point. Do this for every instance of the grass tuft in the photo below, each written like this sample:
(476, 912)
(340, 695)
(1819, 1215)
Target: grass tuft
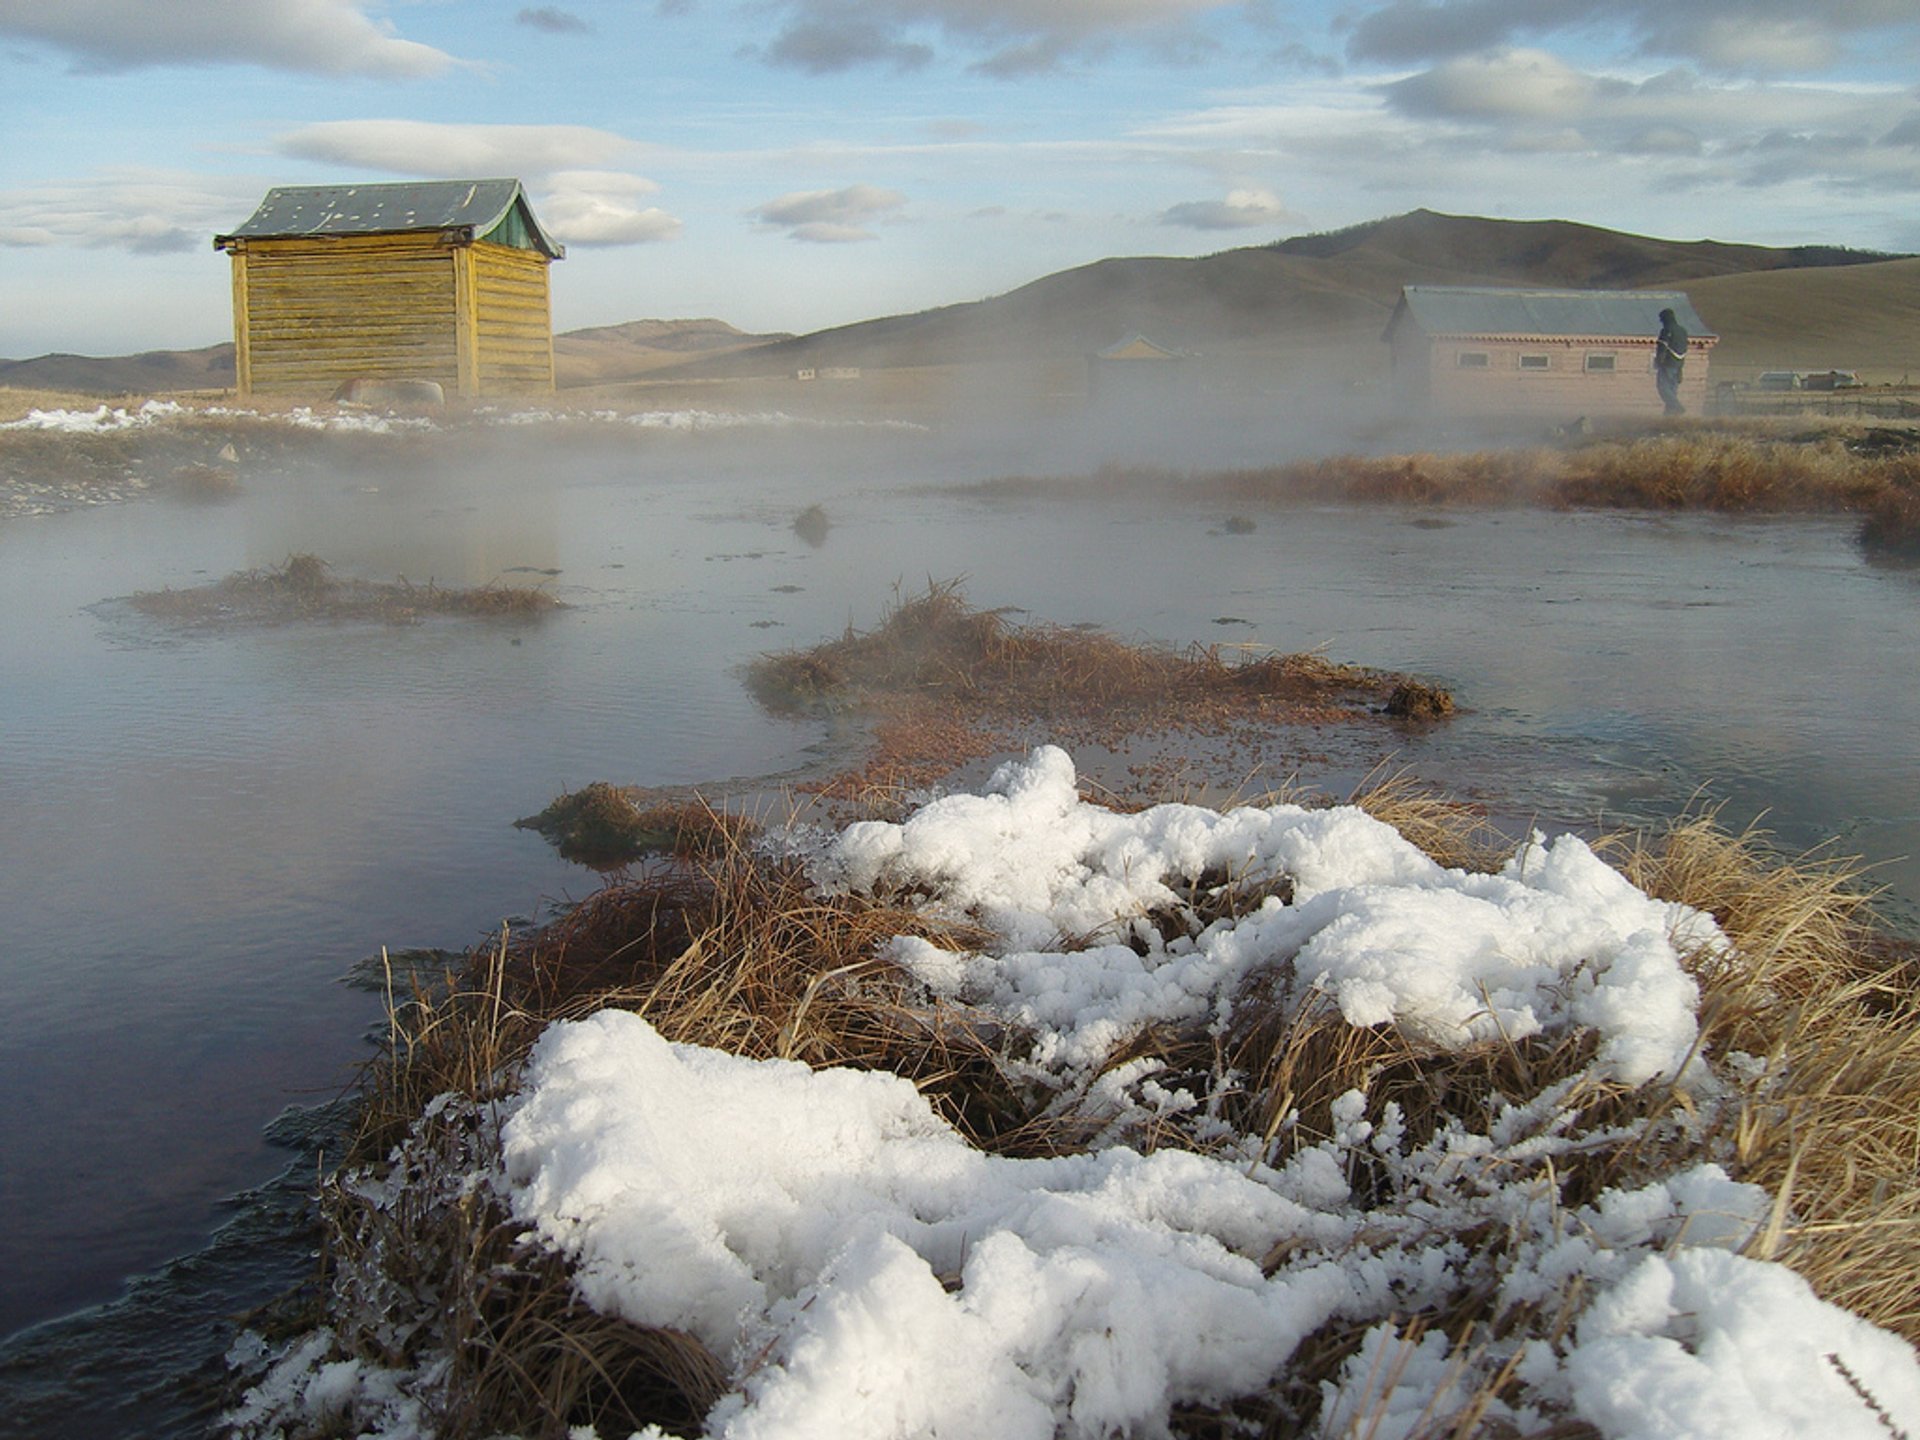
(942, 683)
(605, 824)
(304, 588)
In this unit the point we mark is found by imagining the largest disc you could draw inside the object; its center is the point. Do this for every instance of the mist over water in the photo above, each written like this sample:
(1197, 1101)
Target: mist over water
(205, 829)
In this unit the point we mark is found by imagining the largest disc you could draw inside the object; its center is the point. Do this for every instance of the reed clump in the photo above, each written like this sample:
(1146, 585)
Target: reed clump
(304, 588)
(936, 648)
(730, 949)
(1717, 467)
(1829, 1118)
(1891, 529)
(607, 824)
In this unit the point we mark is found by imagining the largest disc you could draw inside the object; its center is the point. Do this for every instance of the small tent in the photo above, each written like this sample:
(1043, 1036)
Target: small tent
(1135, 372)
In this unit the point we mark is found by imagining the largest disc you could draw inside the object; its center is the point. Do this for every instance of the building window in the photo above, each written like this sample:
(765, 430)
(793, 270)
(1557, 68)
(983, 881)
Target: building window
(1473, 359)
(1536, 362)
(1600, 363)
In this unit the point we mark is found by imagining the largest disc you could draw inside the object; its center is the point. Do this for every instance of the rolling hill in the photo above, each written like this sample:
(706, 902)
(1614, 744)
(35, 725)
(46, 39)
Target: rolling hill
(1313, 302)
(601, 355)
(154, 372)
(1324, 299)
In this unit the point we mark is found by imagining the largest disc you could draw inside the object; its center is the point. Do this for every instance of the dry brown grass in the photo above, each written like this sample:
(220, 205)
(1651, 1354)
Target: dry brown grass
(730, 951)
(942, 683)
(1831, 1124)
(1891, 530)
(936, 647)
(609, 825)
(304, 589)
(1722, 467)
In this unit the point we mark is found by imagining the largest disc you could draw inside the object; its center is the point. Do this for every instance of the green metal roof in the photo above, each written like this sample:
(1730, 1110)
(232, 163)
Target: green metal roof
(495, 210)
(1488, 312)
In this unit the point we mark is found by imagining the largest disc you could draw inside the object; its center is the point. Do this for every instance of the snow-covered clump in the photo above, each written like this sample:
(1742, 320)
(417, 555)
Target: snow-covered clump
(861, 1271)
(868, 1275)
(1557, 939)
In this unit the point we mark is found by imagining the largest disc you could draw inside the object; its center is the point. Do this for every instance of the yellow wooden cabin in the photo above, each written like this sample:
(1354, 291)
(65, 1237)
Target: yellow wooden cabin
(443, 281)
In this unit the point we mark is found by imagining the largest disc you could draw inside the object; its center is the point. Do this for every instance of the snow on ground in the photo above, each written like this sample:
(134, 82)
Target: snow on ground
(865, 1272)
(20, 498)
(105, 418)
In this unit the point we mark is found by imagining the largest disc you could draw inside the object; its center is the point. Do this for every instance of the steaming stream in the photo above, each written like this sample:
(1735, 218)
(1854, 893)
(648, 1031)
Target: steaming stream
(204, 831)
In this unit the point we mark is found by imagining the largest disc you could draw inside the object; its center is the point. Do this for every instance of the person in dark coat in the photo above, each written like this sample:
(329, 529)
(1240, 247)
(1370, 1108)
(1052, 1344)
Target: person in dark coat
(1669, 359)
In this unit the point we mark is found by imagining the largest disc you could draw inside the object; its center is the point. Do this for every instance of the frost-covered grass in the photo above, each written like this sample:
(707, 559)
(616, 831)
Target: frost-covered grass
(1020, 1116)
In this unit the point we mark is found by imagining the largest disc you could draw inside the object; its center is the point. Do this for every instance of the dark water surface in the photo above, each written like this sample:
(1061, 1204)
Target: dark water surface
(201, 832)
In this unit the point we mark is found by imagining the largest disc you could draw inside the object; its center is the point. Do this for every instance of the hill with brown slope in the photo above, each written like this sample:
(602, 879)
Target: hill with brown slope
(1860, 317)
(1551, 252)
(1314, 304)
(582, 357)
(155, 372)
(1316, 296)
(608, 353)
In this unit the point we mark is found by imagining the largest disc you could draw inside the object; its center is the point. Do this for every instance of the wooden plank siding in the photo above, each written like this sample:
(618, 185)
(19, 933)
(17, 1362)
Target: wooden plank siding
(513, 319)
(312, 313)
(1442, 375)
(323, 311)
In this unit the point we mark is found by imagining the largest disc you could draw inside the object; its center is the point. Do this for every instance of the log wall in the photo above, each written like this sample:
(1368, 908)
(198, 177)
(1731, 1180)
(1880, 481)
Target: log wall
(321, 311)
(513, 320)
(310, 314)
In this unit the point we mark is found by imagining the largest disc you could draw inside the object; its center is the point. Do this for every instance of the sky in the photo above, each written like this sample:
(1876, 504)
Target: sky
(797, 164)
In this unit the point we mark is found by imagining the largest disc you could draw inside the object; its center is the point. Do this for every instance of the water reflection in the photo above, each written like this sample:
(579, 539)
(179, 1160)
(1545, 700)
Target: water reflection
(204, 831)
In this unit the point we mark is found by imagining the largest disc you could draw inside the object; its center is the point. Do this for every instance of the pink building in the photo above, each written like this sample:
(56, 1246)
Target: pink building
(1548, 354)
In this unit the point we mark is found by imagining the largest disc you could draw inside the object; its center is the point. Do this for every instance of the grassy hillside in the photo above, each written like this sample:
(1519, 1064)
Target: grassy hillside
(156, 372)
(1323, 300)
(1552, 252)
(1860, 317)
(1263, 316)
(608, 353)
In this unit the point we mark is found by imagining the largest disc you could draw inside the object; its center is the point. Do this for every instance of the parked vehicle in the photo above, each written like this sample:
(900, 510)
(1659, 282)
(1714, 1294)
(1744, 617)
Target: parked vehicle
(1831, 380)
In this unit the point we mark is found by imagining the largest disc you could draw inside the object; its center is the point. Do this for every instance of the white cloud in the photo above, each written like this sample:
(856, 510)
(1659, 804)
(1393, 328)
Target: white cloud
(1732, 36)
(326, 37)
(829, 217)
(144, 212)
(1446, 132)
(553, 20)
(1519, 84)
(597, 207)
(1664, 140)
(431, 150)
(1009, 37)
(1241, 210)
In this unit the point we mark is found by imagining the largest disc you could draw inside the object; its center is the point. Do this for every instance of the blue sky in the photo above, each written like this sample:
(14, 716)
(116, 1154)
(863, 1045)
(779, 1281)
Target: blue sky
(794, 164)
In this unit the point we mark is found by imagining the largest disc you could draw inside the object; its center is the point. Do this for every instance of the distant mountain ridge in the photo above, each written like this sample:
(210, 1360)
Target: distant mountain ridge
(1306, 295)
(1328, 291)
(1562, 251)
